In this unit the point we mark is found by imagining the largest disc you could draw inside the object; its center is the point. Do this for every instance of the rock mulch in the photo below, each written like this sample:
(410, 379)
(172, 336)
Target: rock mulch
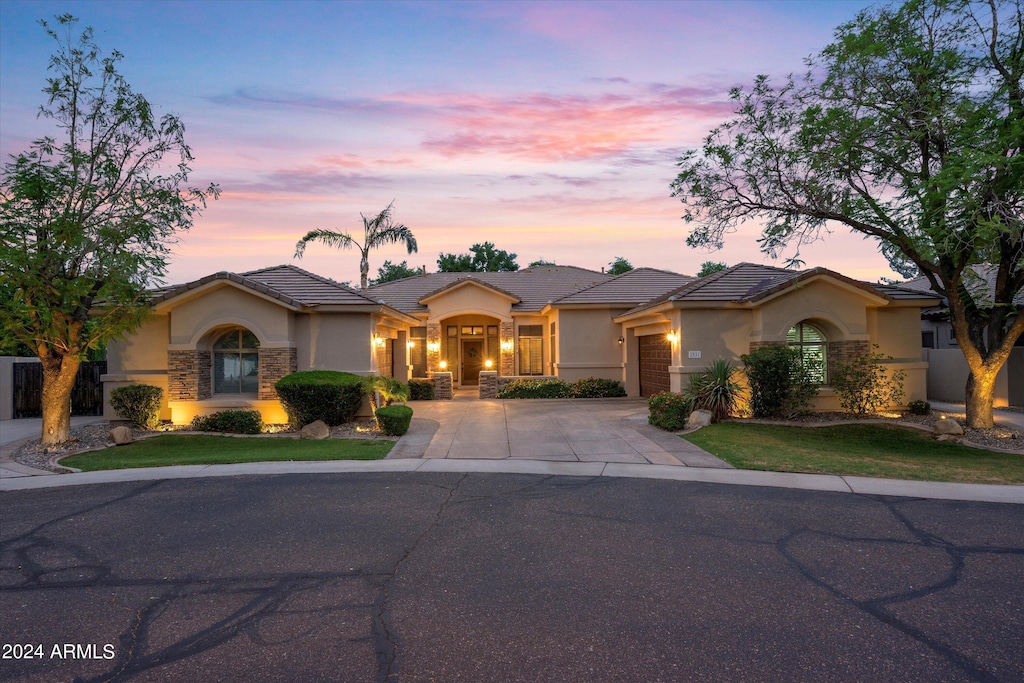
(96, 436)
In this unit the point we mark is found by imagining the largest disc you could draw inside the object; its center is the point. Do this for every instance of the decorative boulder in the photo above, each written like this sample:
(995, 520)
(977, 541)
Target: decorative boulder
(698, 418)
(951, 427)
(120, 435)
(315, 431)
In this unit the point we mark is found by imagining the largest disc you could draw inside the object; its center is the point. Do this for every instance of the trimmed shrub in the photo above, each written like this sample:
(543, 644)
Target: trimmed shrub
(535, 388)
(919, 407)
(394, 420)
(421, 390)
(865, 385)
(714, 390)
(137, 403)
(328, 395)
(229, 422)
(595, 387)
(780, 386)
(669, 410)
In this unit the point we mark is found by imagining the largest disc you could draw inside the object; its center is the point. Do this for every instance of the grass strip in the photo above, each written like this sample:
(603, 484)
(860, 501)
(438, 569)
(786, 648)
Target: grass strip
(181, 449)
(857, 449)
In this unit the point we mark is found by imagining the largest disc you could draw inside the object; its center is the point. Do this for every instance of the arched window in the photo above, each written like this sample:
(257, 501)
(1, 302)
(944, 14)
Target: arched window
(236, 362)
(813, 349)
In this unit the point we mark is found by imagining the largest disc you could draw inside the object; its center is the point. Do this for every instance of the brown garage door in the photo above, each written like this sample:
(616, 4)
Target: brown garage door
(655, 355)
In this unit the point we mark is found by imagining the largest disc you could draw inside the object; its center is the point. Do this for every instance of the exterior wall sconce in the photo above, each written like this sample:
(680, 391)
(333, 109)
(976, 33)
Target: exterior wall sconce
(506, 345)
(379, 342)
(434, 347)
(410, 345)
(622, 340)
(443, 365)
(672, 338)
(488, 363)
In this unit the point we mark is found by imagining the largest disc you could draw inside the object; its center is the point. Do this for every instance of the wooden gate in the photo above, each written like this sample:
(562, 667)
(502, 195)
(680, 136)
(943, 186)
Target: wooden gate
(86, 396)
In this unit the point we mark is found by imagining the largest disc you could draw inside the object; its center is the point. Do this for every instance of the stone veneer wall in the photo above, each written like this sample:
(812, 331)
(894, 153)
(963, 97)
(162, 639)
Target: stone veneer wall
(273, 365)
(845, 351)
(189, 375)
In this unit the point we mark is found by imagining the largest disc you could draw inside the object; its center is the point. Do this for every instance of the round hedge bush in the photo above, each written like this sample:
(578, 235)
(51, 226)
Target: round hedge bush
(328, 395)
(394, 420)
(668, 410)
(137, 403)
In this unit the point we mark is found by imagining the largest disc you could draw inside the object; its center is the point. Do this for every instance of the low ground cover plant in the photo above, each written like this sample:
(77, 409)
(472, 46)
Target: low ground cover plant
(229, 422)
(328, 395)
(589, 387)
(919, 407)
(137, 403)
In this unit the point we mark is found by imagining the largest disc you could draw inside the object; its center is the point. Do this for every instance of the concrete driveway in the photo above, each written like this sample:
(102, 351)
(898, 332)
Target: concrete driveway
(564, 430)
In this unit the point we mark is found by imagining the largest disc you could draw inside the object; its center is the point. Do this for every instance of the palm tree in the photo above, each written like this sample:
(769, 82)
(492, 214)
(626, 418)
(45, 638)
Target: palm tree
(378, 231)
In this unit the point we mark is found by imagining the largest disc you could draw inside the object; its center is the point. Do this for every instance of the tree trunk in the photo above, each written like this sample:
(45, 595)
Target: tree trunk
(980, 394)
(59, 374)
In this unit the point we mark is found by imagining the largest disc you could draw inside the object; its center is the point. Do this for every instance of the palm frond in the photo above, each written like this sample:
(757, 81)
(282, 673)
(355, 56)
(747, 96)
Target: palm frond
(340, 240)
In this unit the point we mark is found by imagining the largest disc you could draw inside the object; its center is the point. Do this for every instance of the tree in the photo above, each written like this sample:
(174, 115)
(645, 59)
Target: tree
(907, 129)
(483, 258)
(541, 262)
(377, 232)
(87, 222)
(390, 272)
(619, 266)
(710, 267)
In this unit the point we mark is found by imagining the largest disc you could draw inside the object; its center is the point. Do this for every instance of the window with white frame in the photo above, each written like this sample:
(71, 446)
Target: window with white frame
(813, 346)
(236, 362)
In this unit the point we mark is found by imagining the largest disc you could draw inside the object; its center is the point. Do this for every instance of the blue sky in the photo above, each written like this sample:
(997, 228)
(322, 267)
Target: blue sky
(548, 128)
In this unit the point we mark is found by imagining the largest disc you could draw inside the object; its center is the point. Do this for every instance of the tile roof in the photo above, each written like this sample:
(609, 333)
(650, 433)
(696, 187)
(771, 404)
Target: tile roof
(632, 287)
(749, 282)
(980, 281)
(287, 283)
(534, 287)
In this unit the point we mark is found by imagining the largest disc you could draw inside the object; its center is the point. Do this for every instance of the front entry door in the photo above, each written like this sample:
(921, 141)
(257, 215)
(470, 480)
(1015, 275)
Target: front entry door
(472, 361)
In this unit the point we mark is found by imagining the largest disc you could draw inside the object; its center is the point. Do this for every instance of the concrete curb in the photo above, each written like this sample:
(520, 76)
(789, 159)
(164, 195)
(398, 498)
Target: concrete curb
(992, 493)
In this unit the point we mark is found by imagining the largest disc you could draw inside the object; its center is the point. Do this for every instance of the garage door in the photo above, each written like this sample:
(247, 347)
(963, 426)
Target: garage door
(655, 355)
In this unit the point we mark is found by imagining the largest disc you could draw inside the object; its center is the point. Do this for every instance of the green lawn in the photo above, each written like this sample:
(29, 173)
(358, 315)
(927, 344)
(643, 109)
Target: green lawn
(181, 449)
(863, 450)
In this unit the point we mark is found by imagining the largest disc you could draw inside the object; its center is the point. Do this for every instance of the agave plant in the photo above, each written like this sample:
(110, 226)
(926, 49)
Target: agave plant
(715, 390)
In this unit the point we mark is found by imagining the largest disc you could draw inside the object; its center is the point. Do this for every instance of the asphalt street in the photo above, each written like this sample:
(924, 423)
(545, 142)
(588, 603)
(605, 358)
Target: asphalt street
(487, 577)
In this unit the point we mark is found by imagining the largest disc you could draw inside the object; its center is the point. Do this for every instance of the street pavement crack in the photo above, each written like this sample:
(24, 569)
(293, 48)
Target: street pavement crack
(385, 637)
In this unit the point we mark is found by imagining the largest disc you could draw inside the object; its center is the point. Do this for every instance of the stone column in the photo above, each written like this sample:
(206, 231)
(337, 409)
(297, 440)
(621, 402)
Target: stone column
(433, 347)
(507, 365)
(183, 375)
(488, 384)
(442, 385)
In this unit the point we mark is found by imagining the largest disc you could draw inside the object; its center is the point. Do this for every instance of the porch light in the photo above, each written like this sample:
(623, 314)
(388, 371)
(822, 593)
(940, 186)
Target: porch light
(488, 363)
(434, 347)
(672, 338)
(410, 345)
(443, 364)
(506, 345)
(621, 340)
(379, 342)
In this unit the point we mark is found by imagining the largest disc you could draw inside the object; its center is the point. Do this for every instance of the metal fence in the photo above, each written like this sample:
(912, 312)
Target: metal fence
(86, 396)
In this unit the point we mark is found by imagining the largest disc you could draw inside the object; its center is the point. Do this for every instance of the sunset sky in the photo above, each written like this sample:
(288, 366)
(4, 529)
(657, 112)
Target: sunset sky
(550, 129)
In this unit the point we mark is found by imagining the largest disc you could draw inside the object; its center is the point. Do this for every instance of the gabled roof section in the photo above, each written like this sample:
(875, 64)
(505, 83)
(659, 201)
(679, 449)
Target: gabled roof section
(533, 287)
(752, 282)
(291, 286)
(472, 282)
(630, 288)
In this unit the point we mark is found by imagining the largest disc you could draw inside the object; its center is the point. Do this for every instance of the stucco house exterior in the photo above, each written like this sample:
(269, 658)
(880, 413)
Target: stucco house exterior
(222, 341)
